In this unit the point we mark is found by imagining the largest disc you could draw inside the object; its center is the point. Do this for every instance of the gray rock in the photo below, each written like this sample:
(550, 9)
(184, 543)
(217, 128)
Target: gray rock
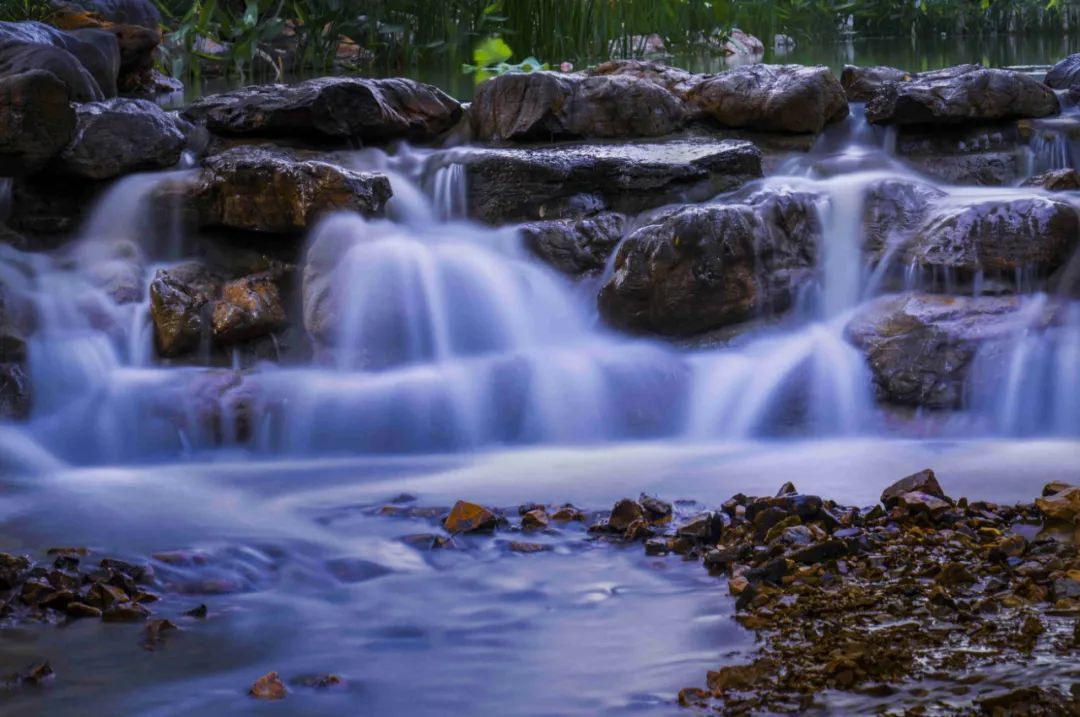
(1065, 75)
(860, 83)
(565, 181)
(335, 107)
(703, 267)
(923, 482)
(120, 136)
(88, 60)
(1055, 180)
(578, 246)
(127, 12)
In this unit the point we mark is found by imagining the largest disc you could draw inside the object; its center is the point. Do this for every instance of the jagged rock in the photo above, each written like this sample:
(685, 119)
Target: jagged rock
(860, 83)
(892, 210)
(335, 107)
(268, 190)
(249, 307)
(1065, 75)
(572, 246)
(552, 106)
(920, 346)
(997, 237)
(624, 514)
(703, 267)
(268, 687)
(923, 482)
(120, 136)
(36, 120)
(576, 180)
(778, 98)
(961, 95)
(1056, 180)
(468, 517)
(14, 391)
(1061, 505)
(177, 300)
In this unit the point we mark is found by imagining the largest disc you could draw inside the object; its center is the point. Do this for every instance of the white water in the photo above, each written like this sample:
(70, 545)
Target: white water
(452, 337)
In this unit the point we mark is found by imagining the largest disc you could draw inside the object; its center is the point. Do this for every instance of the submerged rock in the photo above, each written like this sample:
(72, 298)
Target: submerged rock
(703, 267)
(920, 346)
(120, 136)
(468, 517)
(961, 95)
(268, 190)
(268, 687)
(578, 246)
(331, 107)
(567, 181)
(36, 120)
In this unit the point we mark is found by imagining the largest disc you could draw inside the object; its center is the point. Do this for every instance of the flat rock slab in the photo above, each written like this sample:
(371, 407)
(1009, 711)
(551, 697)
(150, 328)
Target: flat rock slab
(331, 107)
(523, 184)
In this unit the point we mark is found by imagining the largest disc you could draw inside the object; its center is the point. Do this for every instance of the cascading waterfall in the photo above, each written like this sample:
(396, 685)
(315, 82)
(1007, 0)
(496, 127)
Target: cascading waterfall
(453, 337)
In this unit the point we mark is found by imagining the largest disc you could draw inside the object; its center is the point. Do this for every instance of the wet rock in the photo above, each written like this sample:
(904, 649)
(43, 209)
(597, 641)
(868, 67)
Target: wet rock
(266, 190)
(624, 514)
(121, 136)
(1065, 75)
(1063, 505)
(924, 482)
(1067, 586)
(36, 120)
(317, 681)
(38, 674)
(199, 612)
(567, 513)
(127, 12)
(356, 570)
(707, 527)
(734, 677)
(742, 44)
(654, 510)
(249, 307)
(963, 95)
(860, 83)
(178, 298)
(468, 517)
(983, 155)
(331, 107)
(81, 609)
(1056, 180)
(534, 520)
(1033, 701)
(572, 246)
(15, 391)
(780, 98)
(704, 267)
(153, 633)
(268, 687)
(125, 612)
(892, 210)
(566, 181)
(787, 489)
(517, 546)
(546, 106)
(920, 346)
(820, 552)
(87, 62)
(997, 237)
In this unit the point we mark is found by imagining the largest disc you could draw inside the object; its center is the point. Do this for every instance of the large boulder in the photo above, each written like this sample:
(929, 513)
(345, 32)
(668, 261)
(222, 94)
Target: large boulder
(920, 347)
(120, 136)
(961, 95)
(523, 184)
(779, 98)
(124, 12)
(1055, 180)
(336, 107)
(704, 267)
(997, 237)
(892, 210)
(1065, 75)
(578, 246)
(20, 57)
(36, 120)
(269, 190)
(137, 42)
(96, 51)
(553, 106)
(860, 83)
(983, 155)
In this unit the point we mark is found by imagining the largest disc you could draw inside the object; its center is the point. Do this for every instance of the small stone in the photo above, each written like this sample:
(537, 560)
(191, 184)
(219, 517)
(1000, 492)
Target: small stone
(125, 612)
(820, 552)
(775, 531)
(37, 674)
(520, 547)
(693, 696)
(952, 574)
(317, 681)
(199, 611)
(922, 482)
(656, 546)
(152, 633)
(1062, 506)
(470, 518)
(787, 489)
(705, 527)
(738, 584)
(536, 519)
(656, 511)
(733, 677)
(81, 609)
(623, 515)
(567, 513)
(918, 502)
(420, 541)
(1067, 586)
(268, 687)
(105, 596)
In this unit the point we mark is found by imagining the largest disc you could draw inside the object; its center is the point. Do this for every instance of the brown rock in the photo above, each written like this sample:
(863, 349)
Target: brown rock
(36, 120)
(468, 517)
(924, 482)
(1062, 506)
(534, 520)
(734, 677)
(80, 609)
(624, 514)
(249, 307)
(268, 687)
(125, 612)
(1056, 180)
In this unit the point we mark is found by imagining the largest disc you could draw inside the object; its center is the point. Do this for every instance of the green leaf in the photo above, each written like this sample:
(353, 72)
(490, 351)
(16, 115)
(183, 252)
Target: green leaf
(492, 51)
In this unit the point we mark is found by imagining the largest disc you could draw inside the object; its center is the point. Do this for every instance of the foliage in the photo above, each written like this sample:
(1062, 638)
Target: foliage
(19, 10)
(490, 58)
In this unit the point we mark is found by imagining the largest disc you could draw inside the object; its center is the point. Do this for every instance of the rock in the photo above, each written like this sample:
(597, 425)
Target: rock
(1065, 75)
(1027, 701)
(777, 98)
(342, 108)
(317, 681)
(704, 267)
(923, 482)
(920, 346)
(1067, 586)
(127, 12)
(199, 612)
(983, 155)
(787, 489)
(1063, 506)
(742, 44)
(968, 94)
(860, 83)
(121, 136)
(705, 527)
(824, 551)
(546, 106)
(1056, 180)
(249, 307)
(997, 237)
(177, 300)
(268, 687)
(733, 677)
(565, 181)
(125, 612)
(953, 574)
(637, 46)
(15, 391)
(916, 503)
(87, 61)
(575, 247)
(783, 42)
(36, 120)
(516, 546)
(46, 204)
(625, 513)
(655, 511)
(267, 190)
(892, 210)
(534, 520)
(80, 609)
(153, 633)
(470, 518)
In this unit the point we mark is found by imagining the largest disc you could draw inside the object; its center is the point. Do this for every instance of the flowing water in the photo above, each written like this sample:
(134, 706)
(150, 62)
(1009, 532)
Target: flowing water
(462, 366)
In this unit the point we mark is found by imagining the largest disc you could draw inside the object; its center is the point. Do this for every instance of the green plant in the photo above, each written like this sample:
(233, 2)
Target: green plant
(490, 57)
(20, 10)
